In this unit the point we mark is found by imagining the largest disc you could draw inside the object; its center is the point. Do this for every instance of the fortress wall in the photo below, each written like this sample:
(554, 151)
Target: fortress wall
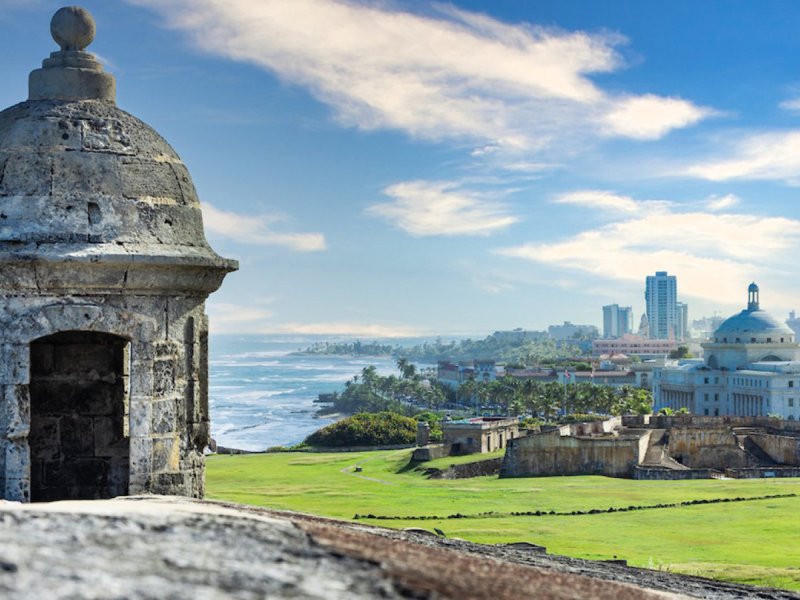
(644, 443)
(706, 447)
(782, 449)
(677, 421)
(553, 454)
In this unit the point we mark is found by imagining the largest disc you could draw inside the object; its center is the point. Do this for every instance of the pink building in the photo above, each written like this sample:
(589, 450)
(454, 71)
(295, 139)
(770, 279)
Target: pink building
(633, 345)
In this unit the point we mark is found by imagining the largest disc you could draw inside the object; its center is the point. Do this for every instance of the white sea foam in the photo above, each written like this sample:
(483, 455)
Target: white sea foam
(261, 394)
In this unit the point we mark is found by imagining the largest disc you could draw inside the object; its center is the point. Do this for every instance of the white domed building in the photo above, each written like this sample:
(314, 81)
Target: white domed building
(751, 368)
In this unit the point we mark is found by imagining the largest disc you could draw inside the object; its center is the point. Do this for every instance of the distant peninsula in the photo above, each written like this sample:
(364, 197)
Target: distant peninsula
(504, 348)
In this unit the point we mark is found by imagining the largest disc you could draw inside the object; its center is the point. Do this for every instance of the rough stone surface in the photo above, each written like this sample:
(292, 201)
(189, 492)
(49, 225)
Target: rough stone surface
(155, 547)
(72, 28)
(100, 233)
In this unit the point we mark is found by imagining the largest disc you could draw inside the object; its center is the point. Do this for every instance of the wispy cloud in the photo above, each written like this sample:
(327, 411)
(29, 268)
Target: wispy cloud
(712, 253)
(599, 199)
(793, 104)
(258, 229)
(368, 330)
(448, 74)
(371, 330)
(427, 208)
(235, 318)
(767, 156)
(722, 202)
(651, 117)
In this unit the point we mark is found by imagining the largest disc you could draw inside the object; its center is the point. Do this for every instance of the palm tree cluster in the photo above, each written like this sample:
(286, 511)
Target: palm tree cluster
(371, 392)
(517, 396)
(410, 392)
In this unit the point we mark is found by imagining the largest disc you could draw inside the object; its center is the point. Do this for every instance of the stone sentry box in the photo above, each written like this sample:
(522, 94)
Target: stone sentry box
(104, 272)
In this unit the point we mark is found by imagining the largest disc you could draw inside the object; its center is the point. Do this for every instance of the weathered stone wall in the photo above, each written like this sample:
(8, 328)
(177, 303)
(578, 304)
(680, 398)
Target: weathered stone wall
(430, 452)
(167, 391)
(553, 454)
(471, 438)
(480, 468)
(762, 472)
(667, 422)
(783, 449)
(647, 474)
(707, 447)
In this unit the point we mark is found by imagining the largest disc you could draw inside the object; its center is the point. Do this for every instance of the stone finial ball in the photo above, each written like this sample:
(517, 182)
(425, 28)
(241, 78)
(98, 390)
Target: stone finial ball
(72, 27)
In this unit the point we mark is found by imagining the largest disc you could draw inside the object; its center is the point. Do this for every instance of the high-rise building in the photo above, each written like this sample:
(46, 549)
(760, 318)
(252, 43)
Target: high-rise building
(617, 321)
(661, 297)
(682, 330)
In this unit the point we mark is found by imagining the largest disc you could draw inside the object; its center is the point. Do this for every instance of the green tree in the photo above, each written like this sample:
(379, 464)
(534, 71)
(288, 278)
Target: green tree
(681, 352)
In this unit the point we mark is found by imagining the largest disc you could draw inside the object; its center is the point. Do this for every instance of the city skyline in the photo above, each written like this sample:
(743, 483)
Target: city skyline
(386, 168)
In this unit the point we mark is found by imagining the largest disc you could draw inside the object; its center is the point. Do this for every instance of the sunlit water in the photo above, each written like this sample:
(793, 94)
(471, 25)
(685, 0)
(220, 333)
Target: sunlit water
(262, 395)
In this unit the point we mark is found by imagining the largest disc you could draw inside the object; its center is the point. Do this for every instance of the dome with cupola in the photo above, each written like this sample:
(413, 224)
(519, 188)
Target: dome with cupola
(753, 325)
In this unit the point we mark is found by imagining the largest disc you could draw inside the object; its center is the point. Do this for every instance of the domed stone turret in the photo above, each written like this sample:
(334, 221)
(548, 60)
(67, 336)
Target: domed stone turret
(104, 272)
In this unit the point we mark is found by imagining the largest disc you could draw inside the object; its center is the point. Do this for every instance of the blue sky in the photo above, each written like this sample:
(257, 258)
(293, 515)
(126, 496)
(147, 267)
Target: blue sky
(387, 168)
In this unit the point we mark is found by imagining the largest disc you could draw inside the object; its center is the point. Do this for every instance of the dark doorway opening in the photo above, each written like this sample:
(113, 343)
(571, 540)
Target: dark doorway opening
(79, 439)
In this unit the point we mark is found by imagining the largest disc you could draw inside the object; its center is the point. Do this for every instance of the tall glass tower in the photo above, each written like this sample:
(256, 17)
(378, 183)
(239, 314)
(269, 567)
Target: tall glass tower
(661, 297)
(617, 320)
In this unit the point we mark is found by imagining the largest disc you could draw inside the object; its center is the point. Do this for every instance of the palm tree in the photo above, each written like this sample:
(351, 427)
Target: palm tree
(402, 365)
(369, 375)
(408, 370)
(467, 390)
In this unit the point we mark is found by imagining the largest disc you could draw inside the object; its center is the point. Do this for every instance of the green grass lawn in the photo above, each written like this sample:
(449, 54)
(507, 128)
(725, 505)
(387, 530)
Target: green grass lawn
(752, 542)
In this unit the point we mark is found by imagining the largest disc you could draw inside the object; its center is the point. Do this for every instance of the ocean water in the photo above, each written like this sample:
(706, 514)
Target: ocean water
(261, 394)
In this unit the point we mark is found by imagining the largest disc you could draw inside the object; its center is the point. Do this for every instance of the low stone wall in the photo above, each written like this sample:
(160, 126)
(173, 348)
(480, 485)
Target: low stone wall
(672, 421)
(763, 472)
(553, 454)
(361, 448)
(430, 452)
(481, 468)
(646, 474)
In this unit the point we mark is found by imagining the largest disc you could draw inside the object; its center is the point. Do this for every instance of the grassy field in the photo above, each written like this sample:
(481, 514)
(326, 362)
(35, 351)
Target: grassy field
(751, 541)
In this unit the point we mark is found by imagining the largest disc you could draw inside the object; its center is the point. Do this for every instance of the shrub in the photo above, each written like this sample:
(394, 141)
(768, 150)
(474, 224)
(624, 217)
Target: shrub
(434, 421)
(366, 429)
(583, 418)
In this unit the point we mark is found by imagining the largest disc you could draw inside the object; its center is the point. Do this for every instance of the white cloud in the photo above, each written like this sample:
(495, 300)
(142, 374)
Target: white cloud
(257, 229)
(713, 254)
(722, 202)
(773, 155)
(228, 317)
(449, 74)
(426, 208)
(599, 199)
(651, 117)
(225, 314)
(231, 318)
(793, 104)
